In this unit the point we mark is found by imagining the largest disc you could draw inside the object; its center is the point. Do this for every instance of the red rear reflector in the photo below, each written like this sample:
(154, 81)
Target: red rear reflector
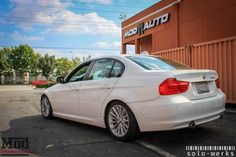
(172, 86)
(217, 83)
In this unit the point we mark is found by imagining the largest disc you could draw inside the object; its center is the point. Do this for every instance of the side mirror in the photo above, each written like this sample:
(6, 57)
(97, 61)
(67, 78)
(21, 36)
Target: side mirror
(60, 79)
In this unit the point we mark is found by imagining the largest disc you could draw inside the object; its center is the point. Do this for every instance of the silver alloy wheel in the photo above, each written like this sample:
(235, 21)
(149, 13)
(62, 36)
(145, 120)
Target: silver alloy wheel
(118, 119)
(45, 107)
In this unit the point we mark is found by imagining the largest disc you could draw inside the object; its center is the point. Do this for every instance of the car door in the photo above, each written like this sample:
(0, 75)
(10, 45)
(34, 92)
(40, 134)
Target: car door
(67, 95)
(100, 81)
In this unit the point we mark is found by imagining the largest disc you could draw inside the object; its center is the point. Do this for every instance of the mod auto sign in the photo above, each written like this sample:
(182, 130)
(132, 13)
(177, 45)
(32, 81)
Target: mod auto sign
(147, 25)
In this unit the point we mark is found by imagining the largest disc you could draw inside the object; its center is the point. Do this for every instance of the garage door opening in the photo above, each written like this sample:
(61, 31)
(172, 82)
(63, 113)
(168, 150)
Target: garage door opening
(146, 44)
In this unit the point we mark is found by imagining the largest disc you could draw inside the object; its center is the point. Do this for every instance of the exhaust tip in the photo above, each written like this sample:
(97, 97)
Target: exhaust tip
(192, 125)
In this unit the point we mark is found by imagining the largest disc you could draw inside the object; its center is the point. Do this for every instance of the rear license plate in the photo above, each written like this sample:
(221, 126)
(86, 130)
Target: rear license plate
(202, 87)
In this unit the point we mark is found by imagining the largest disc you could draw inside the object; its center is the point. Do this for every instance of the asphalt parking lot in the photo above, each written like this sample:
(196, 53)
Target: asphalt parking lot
(20, 117)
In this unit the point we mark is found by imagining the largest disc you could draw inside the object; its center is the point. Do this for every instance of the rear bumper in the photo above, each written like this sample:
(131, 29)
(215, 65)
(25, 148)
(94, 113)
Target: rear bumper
(175, 112)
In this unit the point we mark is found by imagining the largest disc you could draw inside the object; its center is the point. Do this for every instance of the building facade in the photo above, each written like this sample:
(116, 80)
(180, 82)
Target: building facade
(175, 23)
(197, 33)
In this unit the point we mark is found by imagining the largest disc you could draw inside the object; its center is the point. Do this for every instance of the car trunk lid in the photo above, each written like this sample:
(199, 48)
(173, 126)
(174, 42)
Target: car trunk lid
(202, 82)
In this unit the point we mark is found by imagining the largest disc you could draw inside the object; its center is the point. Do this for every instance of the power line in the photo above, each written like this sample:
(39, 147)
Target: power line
(109, 5)
(26, 13)
(78, 9)
(66, 26)
(20, 11)
(73, 23)
(64, 48)
(97, 4)
(73, 19)
(52, 14)
(21, 16)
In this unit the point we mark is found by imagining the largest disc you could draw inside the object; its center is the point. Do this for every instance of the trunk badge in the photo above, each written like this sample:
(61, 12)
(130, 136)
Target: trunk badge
(205, 76)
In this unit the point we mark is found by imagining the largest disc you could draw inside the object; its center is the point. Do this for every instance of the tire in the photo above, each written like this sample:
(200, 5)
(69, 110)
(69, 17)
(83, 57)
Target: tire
(46, 108)
(120, 122)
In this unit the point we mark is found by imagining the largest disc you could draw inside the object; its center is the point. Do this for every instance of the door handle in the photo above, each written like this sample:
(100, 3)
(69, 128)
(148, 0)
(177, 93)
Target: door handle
(75, 89)
(106, 86)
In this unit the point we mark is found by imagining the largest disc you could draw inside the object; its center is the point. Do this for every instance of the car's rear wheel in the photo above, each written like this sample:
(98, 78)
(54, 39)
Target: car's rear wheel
(121, 122)
(46, 108)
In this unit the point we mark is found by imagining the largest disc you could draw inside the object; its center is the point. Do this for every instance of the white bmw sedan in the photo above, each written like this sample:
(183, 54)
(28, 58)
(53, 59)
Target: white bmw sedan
(129, 94)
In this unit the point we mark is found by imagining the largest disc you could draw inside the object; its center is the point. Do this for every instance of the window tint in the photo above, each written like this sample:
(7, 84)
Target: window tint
(116, 70)
(79, 75)
(101, 69)
(156, 63)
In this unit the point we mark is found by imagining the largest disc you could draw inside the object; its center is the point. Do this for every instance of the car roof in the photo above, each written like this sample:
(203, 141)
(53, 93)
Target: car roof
(110, 56)
(120, 56)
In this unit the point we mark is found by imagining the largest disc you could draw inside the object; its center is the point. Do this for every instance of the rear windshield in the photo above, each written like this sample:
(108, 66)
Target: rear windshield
(156, 63)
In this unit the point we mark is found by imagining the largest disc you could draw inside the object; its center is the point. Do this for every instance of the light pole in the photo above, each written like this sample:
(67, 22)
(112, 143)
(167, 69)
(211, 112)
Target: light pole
(123, 16)
(72, 56)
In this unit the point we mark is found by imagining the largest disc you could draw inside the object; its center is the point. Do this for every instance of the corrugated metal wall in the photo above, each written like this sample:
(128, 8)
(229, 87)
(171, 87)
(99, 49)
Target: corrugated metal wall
(219, 55)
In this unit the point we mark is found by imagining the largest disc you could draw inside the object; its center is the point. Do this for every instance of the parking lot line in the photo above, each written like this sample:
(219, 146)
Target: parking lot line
(155, 149)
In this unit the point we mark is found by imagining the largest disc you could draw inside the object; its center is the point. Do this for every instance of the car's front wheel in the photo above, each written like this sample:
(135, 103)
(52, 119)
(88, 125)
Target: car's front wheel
(121, 122)
(46, 108)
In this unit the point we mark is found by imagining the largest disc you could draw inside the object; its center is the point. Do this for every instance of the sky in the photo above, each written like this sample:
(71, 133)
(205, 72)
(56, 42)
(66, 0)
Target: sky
(67, 28)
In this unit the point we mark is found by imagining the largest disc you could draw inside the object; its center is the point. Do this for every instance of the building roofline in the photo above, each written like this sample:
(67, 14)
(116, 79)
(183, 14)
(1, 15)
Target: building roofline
(148, 15)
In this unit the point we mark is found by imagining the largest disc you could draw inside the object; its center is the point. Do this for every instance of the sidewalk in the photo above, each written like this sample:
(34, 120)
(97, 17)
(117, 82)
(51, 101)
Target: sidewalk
(15, 87)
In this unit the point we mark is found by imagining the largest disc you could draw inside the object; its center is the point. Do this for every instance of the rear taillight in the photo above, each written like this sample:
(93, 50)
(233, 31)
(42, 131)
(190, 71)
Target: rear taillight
(172, 86)
(217, 83)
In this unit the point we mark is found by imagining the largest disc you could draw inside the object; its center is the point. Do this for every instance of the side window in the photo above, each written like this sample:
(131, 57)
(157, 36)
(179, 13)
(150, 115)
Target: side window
(79, 75)
(117, 70)
(101, 69)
